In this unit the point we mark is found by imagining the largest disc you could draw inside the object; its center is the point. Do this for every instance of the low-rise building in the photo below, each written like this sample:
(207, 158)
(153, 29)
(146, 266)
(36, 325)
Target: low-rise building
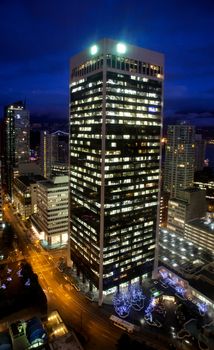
(25, 193)
(182, 211)
(201, 232)
(207, 186)
(50, 222)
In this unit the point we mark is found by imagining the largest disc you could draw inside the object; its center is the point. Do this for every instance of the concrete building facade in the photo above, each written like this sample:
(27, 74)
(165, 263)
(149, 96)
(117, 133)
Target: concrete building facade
(50, 222)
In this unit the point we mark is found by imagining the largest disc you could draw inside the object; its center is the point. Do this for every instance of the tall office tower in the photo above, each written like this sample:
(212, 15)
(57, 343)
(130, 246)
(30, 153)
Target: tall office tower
(54, 153)
(180, 160)
(115, 127)
(200, 149)
(45, 153)
(1, 216)
(16, 141)
(59, 145)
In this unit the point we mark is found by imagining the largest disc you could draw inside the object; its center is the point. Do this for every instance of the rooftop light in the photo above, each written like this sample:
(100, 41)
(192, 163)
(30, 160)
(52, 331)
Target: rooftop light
(94, 49)
(121, 48)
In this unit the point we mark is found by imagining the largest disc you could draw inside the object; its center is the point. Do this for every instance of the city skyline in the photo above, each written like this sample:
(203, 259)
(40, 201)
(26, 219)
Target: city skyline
(112, 222)
(36, 49)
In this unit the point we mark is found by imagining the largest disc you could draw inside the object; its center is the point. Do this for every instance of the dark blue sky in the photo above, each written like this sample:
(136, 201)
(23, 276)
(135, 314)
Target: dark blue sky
(37, 38)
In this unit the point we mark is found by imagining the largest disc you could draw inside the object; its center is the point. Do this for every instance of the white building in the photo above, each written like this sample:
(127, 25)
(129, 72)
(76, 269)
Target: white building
(51, 220)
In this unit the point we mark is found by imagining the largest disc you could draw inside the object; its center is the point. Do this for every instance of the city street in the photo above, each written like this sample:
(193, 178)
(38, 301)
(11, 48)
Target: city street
(78, 312)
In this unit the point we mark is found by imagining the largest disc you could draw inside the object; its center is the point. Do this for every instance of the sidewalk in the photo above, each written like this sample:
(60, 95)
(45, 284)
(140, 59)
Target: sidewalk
(77, 283)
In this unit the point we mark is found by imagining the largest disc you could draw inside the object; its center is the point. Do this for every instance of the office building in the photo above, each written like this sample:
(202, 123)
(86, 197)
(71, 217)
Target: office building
(59, 169)
(59, 144)
(1, 202)
(45, 153)
(181, 211)
(25, 194)
(201, 233)
(164, 209)
(50, 223)
(116, 99)
(16, 145)
(180, 160)
(204, 180)
(54, 153)
(200, 150)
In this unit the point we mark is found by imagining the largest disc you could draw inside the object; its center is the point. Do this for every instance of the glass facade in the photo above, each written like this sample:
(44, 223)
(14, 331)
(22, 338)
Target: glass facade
(115, 127)
(17, 144)
(180, 160)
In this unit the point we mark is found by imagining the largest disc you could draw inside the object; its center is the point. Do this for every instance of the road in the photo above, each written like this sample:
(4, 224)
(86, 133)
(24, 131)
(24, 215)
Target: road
(77, 311)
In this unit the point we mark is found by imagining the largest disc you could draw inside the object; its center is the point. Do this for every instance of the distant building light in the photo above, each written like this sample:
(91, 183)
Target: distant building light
(121, 48)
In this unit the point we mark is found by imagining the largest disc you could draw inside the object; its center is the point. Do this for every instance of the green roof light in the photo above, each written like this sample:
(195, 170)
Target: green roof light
(121, 48)
(94, 49)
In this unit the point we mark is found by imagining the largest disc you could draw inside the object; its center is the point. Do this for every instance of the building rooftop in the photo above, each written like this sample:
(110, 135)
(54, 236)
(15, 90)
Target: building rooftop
(186, 259)
(59, 336)
(192, 189)
(203, 224)
(106, 45)
(28, 180)
(57, 180)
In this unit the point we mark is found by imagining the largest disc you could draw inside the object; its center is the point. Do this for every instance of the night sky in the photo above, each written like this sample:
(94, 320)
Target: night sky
(37, 38)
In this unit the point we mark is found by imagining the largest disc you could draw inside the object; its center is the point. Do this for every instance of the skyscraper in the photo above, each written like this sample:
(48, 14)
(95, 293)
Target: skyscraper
(115, 127)
(16, 145)
(54, 153)
(45, 153)
(200, 150)
(1, 216)
(180, 160)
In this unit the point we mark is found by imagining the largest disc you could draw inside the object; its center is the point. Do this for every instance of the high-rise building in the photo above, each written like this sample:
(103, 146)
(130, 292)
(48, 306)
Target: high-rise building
(16, 145)
(59, 144)
(200, 150)
(1, 216)
(116, 99)
(180, 160)
(54, 153)
(45, 153)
